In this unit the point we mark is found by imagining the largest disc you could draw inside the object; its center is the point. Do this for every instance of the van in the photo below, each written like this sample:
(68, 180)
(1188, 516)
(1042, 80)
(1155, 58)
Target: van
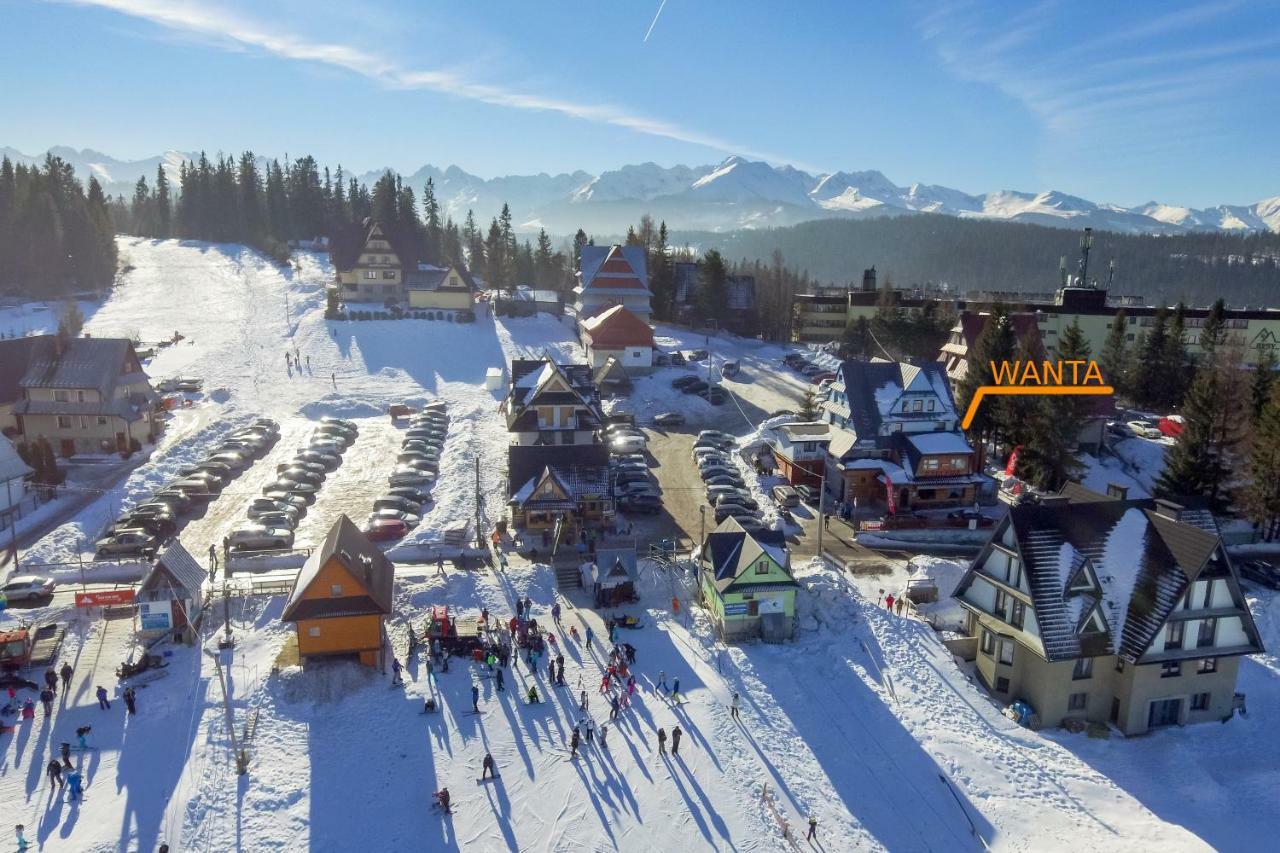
(730, 369)
(786, 496)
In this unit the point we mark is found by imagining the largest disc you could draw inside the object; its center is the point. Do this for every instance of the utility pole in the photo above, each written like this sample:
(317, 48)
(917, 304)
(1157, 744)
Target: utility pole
(286, 310)
(13, 524)
(822, 501)
(479, 506)
(226, 610)
(242, 759)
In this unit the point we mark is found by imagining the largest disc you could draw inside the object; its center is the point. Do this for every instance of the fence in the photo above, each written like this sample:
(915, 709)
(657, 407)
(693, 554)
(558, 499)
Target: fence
(24, 506)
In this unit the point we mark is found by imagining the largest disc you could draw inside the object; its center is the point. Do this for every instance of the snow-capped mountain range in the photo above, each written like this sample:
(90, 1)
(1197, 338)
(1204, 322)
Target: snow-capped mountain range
(736, 193)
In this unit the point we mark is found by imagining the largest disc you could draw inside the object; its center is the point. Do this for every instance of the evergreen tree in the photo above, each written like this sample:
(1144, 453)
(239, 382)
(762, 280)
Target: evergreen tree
(71, 321)
(1195, 465)
(579, 241)
(1150, 372)
(431, 222)
(276, 201)
(808, 406)
(1262, 495)
(140, 210)
(473, 241)
(856, 340)
(1213, 332)
(662, 275)
(253, 214)
(1052, 430)
(163, 210)
(713, 290)
(495, 256)
(1115, 355)
(994, 344)
(1263, 382)
(544, 273)
(1175, 363)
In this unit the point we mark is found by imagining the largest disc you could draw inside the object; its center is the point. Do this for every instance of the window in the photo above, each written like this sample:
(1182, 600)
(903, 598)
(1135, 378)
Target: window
(80, 396)
(1002, 604)
(762, 568)
(931, 404)
(1019, 614)
(918, 407)
(84, 422)
(1200, 702)
(1171, 669)
(1078, 702)
(64, 422)
(1173, 635)
(959, 463)
(61, 396)
(1006, 652)
(1204, 666)
(313, 631)
(1208, 593)
(371, 274)
(931, 464)
(102, 420)
(1083, 669)
(906, 405)
(1002, 685)
(389, 274)
(335, 589)
(1207, 632)
(988, 643)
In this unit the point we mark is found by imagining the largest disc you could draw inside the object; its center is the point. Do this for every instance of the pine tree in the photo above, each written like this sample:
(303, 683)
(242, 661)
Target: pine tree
(141, 209)
(544, 274)
(808, 406)
(1175, 363)
(995, 343)
(856, 340)
(661, 275)
(1262, 495)
(1115, 360)
(1052, 432)
(713, 291)
(1263, 382)
(495, 256)
(473, 241)
(1150, 372)
(431, 221)
(163, 210)
(1195, 464)
(579, 241)
(1213, 332)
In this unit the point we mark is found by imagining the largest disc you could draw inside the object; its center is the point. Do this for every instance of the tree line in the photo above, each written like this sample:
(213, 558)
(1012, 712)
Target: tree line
(56, 234)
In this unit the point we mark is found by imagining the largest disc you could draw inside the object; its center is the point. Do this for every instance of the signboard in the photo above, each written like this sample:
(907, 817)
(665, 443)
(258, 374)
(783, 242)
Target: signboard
(738, 609)
(1011, 469)
(155, 615)
(106, 597)
(891, 501)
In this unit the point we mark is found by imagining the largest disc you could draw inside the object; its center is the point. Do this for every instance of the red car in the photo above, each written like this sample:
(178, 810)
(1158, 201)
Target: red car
(819, 378)
(385, 529)
(1171, 426)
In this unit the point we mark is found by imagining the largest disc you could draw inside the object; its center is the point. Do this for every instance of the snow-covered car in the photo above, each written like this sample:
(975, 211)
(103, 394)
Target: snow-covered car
(409, 518)
(718, 438)
(346, 422)
(786, 496)
(1142, 429)
(706, 460)
(385, 530)
(707, 449)
(127, 543)
(26, 587)
(398, 502)
(259, 537)
(668, 419)
(628, 444)
(406, 476)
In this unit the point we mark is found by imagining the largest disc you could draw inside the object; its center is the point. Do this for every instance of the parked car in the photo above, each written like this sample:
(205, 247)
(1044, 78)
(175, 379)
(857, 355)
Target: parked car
(325, 445)
(724, 480)
(410, 519)
(415, 494)
(431, 466)
(660, 358)
(287, 520)
(632, 489)
(333, 436)
(822, 376)
(628, 458)
(346, 422)
(628, 444)
(682, 382)
(385, 529)
(738, 500)
(630, 467)
(667, 419)
(1261, 572)
(215, 470)
(962, 517)
(730, 368)
(254, 446)
(786, 496)
(177, 500)
(623, 478)
(235, 460)
(716, 470)
(715, 457)
(697, 355)
(127, 543)
(678, 359)
(720, 439)
(641, 503)
(808, 494)
(300, 476)
(301, 465)
(697, 386)
(258, 537)
(714, 492)
(27, 587)
(299, 501)
(1142, 429)
(329, 461)
(734, 511)
(197, 488)
(1172, 426)
(408, 457)
(260, 507)
(423, 443)
(306, 490)
(405, 476)
(398, 502)
(425, 434)
(791, 359)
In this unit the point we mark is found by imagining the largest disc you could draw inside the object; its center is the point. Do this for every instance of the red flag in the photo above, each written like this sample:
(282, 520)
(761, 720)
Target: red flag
(1012, 467)
(892, 503)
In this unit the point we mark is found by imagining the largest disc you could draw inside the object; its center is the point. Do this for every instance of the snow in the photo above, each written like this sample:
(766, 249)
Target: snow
(940, 442)
(863, 720)
(1122, 560)
(1132, 462)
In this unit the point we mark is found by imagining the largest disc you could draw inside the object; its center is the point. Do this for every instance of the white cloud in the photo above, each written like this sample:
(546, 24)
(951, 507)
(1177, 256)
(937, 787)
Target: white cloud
(231, 31)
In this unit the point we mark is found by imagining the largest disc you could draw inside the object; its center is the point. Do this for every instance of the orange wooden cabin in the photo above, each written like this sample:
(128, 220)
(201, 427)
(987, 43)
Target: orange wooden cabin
(341, 597)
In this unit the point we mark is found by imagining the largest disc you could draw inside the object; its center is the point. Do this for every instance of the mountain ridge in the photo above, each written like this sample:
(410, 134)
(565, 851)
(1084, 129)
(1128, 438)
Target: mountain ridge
(736, 193)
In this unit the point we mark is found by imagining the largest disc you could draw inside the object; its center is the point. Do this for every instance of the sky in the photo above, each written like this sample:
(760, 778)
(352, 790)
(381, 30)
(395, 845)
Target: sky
(1114, 102)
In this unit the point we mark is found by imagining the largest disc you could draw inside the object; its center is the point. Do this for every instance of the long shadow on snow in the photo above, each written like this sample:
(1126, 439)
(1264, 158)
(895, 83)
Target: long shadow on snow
(428, 351)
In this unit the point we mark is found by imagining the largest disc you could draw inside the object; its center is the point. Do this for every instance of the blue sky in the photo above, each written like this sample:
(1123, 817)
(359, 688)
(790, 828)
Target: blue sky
(1114, 102)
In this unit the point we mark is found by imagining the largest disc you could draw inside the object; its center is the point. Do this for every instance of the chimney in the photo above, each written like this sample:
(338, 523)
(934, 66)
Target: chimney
(1115, 490)
(1169, 509)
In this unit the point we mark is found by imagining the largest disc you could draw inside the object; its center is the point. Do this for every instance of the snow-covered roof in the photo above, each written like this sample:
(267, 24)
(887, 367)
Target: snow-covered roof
(614, 268)
(11, 465)
(940, 442)
(184, 569)
(732, 550)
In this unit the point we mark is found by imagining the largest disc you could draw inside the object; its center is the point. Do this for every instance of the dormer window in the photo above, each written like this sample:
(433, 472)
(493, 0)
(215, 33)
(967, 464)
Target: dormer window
(1084, 580)
(906, 406)
(1093, 623)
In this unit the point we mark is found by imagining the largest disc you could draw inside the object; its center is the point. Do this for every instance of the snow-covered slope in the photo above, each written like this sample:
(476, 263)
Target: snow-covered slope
(738, 192)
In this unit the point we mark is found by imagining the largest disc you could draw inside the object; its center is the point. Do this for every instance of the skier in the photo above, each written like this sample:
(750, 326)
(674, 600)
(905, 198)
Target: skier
(573, 743)
(733, 707)
(590, 635)
(130, 700)
(613, 707)
(675, 690)
(475, 698)
(528, 605)
(22, 842)
(533, 695)
(73, 779)
(308, 364)
(901, 602)
(333, 377)
(560, 669)
(555, 612)
(442, 800)
(662, 681)
(604, 683)
(488, 766)
(662, 741)
(65, 672)
(813, 829)
(888, 602)
(51, 679)
(582, 700)
(500, 681)
(439, 565)
(604, 733)
(590, 729)
(573, 632)
(631, 686)
(54, 771)
(431, 669)
(213, 555)
(675, 740)
(66, 754)
(46, 699)
(28, 710)
(519, 609)
(81, 743)
(395, 672)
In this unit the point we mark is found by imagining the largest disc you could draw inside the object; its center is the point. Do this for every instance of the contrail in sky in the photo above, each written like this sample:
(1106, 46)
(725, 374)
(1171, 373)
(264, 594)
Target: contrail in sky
(655, 19)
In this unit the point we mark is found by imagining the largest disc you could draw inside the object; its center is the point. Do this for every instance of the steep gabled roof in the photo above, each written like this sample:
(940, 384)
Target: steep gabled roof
(731, 549)
(16, 356)
(549, 383)
(614, 268)
(97, 363)
(617, 327)
(182, 567)
(872, 387)
(347, 244)
(580, 468)
(363, 561)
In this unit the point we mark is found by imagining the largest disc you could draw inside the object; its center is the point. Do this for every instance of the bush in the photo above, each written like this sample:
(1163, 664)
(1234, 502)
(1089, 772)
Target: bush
(134, 445)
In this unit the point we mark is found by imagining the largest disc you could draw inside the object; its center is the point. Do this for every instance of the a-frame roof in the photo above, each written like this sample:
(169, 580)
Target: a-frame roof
(366, 564)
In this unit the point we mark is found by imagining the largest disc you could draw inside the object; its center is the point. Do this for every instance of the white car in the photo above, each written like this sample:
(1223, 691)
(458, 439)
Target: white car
(409, 519)
(717, 437)
(258, 537)
(627, 444)
(23, 587)
(1142, 429)
(406, 476)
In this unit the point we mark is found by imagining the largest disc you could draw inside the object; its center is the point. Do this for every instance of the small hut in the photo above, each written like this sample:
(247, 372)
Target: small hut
(172, 594)
(612, 577)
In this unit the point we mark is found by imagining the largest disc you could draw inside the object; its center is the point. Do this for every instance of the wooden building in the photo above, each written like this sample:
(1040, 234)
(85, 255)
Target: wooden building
(171, 596)
(342, 597)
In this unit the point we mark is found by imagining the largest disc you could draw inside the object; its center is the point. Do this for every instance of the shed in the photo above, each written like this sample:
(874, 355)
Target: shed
(614, 576)
(172, 594)
(493, 379)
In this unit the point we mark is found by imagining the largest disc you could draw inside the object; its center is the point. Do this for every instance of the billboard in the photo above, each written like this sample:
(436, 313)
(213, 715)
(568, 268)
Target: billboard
(155, 615)
(104, 597)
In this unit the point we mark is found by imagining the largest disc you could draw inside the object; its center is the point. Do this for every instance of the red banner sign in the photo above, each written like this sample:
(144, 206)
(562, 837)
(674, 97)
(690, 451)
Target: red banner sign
(1011, 469)
(105, 597)
(890, 500)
